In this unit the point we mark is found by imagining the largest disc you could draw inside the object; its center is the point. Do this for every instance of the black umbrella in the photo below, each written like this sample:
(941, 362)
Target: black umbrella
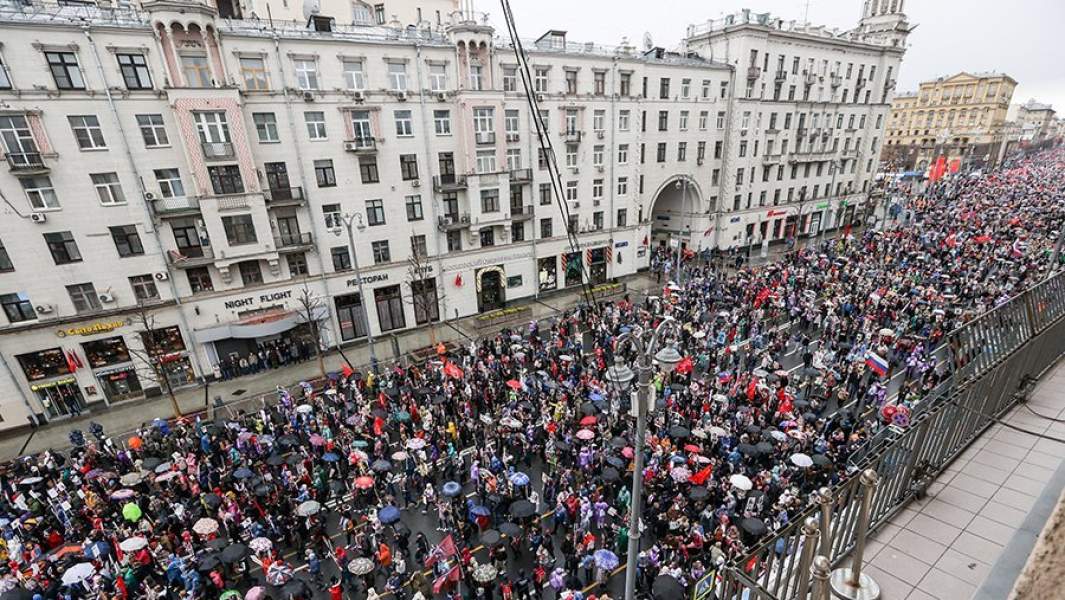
(698, 493)
(667, 587)
(809, 416)
(753, 429)
(234, 553)
(17, 593)
(619, 442)
(151, 462)
(207, 562)
(511, 529)
(821, 460)
(747, 449)
(490, 537)
(439, 399)
(337, 485)
(295, 587)
(764, 447)
(217, 544)
(754, 527)
(801, 403)
(275, 460)
(212, 500)
(381, 465)
(401, 529)
(610, 474)
(521, 509)
(262, 490)
(616, 462)
(287, 441)
(677, 386)
(294, 459)
(562, 445)
(679, 432)
(589, 408)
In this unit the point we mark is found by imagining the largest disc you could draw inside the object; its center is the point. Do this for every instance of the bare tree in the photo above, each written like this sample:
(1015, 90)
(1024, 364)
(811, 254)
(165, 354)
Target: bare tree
(152, 360)
(310, 306)
(424, 302)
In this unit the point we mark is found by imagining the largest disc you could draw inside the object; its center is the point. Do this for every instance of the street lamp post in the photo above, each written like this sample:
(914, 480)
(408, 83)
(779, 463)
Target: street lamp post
(349, 220)
(621, 375)
(683, 185)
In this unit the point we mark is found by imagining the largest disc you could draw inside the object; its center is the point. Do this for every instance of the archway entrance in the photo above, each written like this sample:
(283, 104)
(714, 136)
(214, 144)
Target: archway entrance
(675, 215)
(490, 291)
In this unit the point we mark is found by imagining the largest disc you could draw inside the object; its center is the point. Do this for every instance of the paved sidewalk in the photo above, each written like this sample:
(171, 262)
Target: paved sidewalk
(125, 417)
(971, 535)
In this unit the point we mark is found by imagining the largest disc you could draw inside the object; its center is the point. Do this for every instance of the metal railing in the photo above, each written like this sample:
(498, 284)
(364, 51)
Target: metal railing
(293, 240)
(25, 162)
(992, 356)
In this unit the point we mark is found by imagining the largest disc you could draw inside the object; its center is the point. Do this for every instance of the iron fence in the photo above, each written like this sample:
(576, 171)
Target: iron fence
(992, 356)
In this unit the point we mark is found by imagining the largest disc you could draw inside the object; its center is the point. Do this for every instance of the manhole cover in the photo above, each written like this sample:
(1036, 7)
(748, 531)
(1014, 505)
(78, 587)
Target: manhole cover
(239, 392)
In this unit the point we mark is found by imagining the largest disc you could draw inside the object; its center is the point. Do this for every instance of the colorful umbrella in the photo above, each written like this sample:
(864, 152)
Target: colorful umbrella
(123, 494)
(361, 566)
(388, 515)
(585, 434)
(261, 544)
(416, 443)
(588, 421)
(452, 489)
(364, 483)
(131, 512)
(519, 479)
(205, 526)
(605, 559)
(514, 384)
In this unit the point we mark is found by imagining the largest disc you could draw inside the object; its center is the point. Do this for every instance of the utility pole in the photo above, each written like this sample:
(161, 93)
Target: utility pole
(349, 220)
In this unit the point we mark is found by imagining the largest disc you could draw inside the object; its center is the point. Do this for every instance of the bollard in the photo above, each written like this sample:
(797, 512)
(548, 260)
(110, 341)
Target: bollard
(809, 548)
(852, 584)
(820, 570)
(824, 498)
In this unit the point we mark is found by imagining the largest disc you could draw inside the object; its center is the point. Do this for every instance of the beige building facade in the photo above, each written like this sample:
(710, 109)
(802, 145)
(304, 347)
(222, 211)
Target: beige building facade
(961, 118)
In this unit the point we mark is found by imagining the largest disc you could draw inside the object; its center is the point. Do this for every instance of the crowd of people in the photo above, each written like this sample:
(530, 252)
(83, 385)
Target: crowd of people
(502, 468)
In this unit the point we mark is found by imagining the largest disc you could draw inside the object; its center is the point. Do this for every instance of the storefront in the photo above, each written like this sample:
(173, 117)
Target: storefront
(272, 329)
(112, 366)
(491, 288)
(52, 381)
(547, 273)
(573, 268)
(351, 316)
(167, 347)
(597, 261)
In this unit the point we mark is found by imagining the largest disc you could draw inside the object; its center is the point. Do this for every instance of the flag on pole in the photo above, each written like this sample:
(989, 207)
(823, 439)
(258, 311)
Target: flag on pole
(875, 362)
(445, 549)
(452, 370)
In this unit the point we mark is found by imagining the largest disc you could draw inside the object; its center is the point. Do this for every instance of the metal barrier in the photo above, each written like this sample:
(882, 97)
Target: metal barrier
(993, 355)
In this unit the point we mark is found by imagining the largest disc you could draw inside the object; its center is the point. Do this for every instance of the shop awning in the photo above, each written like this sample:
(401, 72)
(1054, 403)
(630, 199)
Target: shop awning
(258, 326)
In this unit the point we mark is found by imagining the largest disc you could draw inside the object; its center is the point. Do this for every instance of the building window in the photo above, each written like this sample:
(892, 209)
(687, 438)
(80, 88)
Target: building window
(84, 297)
(40, 193)
(375, 212)
(331, 216)
(571, 81)
(623, 216)
(597, 220)
(540, 79)
(350, 316)
(418, 246)
(510, 79)
(135, 71)
(196, 71)
(623, 186)
(438, 77)
(306, 74)
(225, 179)
(517, 232)
(5, 77)
(108, 188)
(389, 301)
(546, 194)
(368, 169)
(660, 155)
(454, 241)
(599, 83)
(63, 247)
(597, 189)
(17, 307)
(253, 71)
(490, 201)
(408, 166)
(87, 132)
(65, 70)
(486, 161)
(341, 258)
(250, 272)
(169, 181)
(297, 264)
(199, 280)
(404, 124)
(663, 88)
(426, 305)
(381, 252)
(266, 127)
(414, 208)
(127, 240)
(324, 174)
(153, 131)
(212, 127)
(397, 76)
(240, 229)
(442, 122)
(315, 121)
(5, 259)
(353, 75)
(623, 120)
(571, 190)
(488, 237)
(476, 76)
(144, 287)
(545, 227)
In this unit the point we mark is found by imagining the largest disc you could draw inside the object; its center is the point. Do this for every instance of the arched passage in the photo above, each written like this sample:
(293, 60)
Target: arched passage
(676, 212)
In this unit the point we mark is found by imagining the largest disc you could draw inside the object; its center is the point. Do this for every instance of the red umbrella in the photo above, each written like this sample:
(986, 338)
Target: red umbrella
(587, 421)
(692, 448)
(514, 384)
(364, 482)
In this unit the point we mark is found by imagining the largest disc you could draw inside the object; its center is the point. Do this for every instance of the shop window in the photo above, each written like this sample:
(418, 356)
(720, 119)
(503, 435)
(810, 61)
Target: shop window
(105, 352)
(389, 301)
(43, 364)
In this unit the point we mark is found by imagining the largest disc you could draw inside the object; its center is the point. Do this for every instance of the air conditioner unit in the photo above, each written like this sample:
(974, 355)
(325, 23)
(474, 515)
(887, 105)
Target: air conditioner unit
(38, 217)
(441, 97)
(416, 183)
(149, 196)
(44, 309)
(599, 168)
(401, 96)
(308, 96)
(600, 134)
(596, 202)
(351, 146)
(575, 170)
(358, 95)
(575, 204)
(162, 276)
(106, 298)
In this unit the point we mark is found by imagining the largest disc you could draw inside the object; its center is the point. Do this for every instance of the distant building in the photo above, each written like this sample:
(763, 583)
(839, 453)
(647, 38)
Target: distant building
(961, 118)
(1029, 123)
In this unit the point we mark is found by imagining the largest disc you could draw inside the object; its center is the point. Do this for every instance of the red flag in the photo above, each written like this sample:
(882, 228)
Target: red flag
(77, 359)
(453, 575)
(685, 365)
(71, 365)
(347, 371)
(699, 478)
(444, 549)
(378, 426)
(752, 388)
(452, 370)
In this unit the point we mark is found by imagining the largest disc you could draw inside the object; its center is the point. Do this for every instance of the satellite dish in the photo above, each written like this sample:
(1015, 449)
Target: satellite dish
(648, 43)
(311, 8)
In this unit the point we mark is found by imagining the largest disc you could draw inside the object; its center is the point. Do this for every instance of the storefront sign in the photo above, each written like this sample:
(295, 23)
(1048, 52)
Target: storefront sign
(93, 329)
(376, 278)
(776, 213)
(821, 206)
(487, 260)
(52, 384)
(262, 299)
(621, 244)
(734, 220)
(113, 370)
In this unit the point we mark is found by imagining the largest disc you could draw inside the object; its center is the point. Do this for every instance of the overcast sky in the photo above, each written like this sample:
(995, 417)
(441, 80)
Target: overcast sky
(1023, 38)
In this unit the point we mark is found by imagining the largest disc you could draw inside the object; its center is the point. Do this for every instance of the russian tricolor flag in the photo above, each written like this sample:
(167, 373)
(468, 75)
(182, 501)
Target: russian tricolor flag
(876, 363)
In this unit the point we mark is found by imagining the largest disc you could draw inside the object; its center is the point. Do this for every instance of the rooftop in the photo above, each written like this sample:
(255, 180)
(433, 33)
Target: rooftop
(767, 20)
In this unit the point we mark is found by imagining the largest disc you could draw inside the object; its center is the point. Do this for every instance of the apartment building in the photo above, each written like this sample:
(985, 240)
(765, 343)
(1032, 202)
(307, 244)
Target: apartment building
(804, 121)
(961, 118)
(431, 14)
(177, 182)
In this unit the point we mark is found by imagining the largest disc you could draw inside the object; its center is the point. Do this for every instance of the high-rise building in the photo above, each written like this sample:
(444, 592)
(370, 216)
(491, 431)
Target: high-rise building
(181, 176)
(961, 118)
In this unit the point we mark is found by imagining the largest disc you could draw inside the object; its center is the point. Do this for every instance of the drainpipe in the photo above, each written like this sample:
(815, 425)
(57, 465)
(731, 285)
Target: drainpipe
(149, 222)
(302, 172)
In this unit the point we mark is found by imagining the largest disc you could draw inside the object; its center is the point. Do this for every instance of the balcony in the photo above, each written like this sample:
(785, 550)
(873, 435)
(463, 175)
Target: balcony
(773, 158)
(805, 157)
(571, 136)
(190, 257)
(754, 72)
(231, 201)
(513, 137)
(284, 196)
(27, 163)
(289, 242)
(836, 81)
(859, 84)
(449, 183)
(452, 221)
(780, 76)
(484, 138)
(217, 150)
(810, 78)
(361, 145)
(176, 207)
(521, 213)
(520, 175)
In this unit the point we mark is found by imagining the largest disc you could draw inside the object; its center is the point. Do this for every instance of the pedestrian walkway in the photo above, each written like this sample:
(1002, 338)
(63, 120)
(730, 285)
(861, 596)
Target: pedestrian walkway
(243, 392)
(971, 535)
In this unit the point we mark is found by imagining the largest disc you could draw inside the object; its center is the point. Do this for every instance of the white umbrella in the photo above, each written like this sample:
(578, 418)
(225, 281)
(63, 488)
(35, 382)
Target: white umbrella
(510, 422)
(720, 398)
(416, 443)
(361, 566)
(741, 482)
(304, 408)
(261, 544)
(78, 573)
(205, 526)
(801, 460)
(308, 508)
(699, 334)
(399, 456)
(133, 544)
(885, 332)
(718, 431)
(131, 478)
(779, 436)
